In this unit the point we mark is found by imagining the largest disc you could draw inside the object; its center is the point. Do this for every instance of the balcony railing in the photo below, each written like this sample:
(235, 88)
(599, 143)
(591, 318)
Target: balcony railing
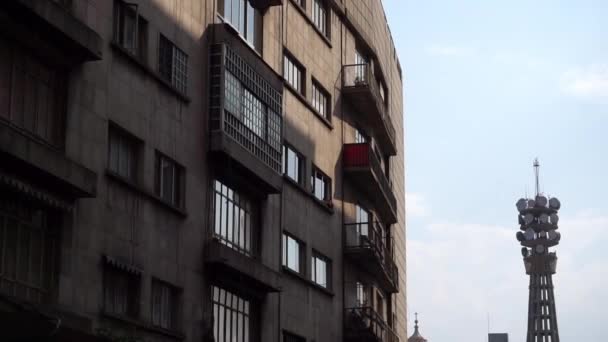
(369, 240)
(361, 157)
(365, 324)
(359, 80)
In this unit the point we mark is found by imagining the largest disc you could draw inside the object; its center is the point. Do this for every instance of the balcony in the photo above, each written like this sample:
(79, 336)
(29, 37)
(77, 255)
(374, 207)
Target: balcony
(363, 167)
(360, 88)
(245, 113)
(364, 324)
(372, 250)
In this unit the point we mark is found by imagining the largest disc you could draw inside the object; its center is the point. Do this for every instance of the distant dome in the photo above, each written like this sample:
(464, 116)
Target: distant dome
(416, 337)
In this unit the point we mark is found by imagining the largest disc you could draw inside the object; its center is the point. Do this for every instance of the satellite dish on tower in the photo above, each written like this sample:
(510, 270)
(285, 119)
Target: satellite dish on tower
(554, 203)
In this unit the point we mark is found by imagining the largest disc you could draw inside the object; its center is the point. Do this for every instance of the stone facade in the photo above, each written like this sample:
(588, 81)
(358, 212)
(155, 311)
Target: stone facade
(111, 219)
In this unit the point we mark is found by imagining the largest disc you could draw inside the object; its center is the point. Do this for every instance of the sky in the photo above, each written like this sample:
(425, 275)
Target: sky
(489, 85)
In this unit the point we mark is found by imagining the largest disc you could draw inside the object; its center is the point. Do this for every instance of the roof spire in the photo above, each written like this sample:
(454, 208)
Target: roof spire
(416, 321)
(536, 165)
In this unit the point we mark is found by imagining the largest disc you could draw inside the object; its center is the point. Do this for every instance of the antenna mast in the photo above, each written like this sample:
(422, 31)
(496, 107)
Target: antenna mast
(536, 173)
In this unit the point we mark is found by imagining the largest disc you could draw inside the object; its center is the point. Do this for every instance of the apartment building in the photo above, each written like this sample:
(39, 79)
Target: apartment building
(201, 170)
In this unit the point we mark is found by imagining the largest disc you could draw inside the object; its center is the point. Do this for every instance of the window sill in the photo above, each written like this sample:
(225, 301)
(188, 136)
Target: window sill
(143, 325)
(312, 23)
(308, 282)
(308, 104)
(142, 65)
(302, 189)
(139, 189)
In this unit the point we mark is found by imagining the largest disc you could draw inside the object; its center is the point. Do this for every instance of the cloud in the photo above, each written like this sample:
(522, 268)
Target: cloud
(450, 51)
(586, 82)
(415, 205)
(458, 273)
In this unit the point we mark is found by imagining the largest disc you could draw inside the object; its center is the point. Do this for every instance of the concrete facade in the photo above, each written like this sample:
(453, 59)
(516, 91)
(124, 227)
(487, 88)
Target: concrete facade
(108, 221)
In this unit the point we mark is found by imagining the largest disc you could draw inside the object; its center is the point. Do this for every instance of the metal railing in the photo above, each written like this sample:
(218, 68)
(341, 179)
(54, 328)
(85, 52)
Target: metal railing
(372, 236)
(361, 155)
(361, 76)
(366, 318)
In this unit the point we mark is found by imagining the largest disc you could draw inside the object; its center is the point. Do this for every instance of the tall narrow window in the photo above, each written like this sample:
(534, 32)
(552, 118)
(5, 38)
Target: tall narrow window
(29, 246)
(293, 72)
(231, 316)
(292, 251)
(234, 218)
(360, 136)
(320, 100)
(123, 154)
(320, 16)
(164, 305)
(321, 185)
(121, 292)
(320, 272)
(169, 180)
(245, 19)
(173, 64)
(130, 29)
(363, 221)
(362, 63)
(362, 295)
(293, 164)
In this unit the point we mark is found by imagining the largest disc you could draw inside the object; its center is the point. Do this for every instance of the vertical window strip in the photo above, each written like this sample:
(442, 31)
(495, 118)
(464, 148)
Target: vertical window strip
(232, 219)
(231, 316)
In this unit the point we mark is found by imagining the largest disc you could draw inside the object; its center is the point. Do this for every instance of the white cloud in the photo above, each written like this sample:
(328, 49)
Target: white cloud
(450, 51)
(415, 205)
(588, 82)
(460, 272)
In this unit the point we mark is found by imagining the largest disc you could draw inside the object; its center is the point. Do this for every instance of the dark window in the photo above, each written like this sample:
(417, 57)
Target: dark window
(123, 154)
(130, 29)
(231, 317)
(293, 164)
(173, 64)
(360, 136)
(321, 185)
(362, 295)
(164, 305)
(32, 94)
(169, 180)
(289, 337)
(234, 217)
(245, 19)
(293, 252)
(29, 245)
(121, 292)
(320, 270)
(293, 72)
(363, 221)
(320, 16)
(320, 100)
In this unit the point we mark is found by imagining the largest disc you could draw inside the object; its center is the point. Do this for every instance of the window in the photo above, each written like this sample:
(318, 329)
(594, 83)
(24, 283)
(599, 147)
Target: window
(320, 16)
(293, 72)
(121, 292)
(362, 62)
(231, 317)
(29, 245)
(293, 250)
(172, 64)
(245, 19)
(363, 221)
(234, 217)
(33, 94)
(320, 272)
(321, 185)
(164, 305)
(293, 163)
(301, 3)
(130, 29)
(289, 337)
(362, 295)
(360, 137)
(320, 100)
(169, 180)
(123, 154)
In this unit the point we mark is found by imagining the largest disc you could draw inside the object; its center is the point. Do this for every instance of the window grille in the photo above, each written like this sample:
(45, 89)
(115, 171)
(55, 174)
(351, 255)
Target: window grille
(234, 216)
(173, 64)
(231, 316)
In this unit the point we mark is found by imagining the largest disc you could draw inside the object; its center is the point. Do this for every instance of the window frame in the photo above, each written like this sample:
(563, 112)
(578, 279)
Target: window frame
(140, 33)
(298, 66)
(323, 9)
(132, 294)
(328, 190)
(175, 304)
(301, 252)
(258, 26)
(301, 169)
(178, 77)
(136, 146)
(179, 181)
(318, 90)
(248, 313)
(316, 255)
